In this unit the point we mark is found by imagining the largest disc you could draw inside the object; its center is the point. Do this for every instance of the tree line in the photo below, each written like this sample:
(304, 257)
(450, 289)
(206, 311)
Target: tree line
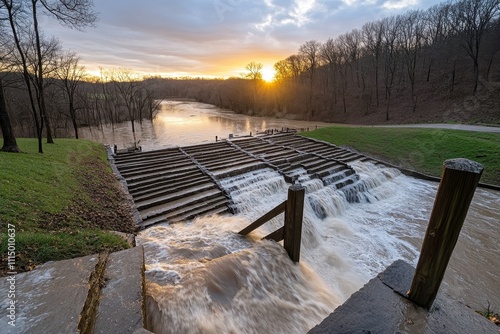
(402, 63)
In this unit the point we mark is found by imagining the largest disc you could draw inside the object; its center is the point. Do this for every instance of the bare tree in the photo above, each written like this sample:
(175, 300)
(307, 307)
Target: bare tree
(310, 52)
(254, 71)
(9, 140)
(330, 55)
(470, 19)
(70, 75)
(410, 40)
(391, 57)
(372, 39)
(23, 18)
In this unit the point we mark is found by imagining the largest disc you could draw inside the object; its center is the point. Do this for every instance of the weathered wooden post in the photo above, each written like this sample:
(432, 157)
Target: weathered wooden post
(458, 182)
(293, 221)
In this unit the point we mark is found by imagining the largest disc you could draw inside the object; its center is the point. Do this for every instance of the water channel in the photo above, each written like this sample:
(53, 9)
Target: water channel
(207, 279)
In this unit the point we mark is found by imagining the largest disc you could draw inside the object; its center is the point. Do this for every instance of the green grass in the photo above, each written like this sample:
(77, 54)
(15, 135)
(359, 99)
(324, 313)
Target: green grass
(422, 150)
(58, 201)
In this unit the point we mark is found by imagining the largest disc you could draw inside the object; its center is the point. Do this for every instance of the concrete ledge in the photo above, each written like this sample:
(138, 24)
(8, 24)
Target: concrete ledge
(381, 307)
(49, 299)
(121, 307)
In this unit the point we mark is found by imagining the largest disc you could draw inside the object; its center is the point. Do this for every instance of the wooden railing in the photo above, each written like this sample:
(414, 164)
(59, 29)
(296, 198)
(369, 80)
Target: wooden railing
(291, 232)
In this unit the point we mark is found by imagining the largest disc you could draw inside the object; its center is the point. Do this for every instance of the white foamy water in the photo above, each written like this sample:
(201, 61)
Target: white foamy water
(204, 278)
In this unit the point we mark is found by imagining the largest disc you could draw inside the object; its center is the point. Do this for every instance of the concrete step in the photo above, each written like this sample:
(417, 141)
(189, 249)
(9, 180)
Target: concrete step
(240, 160)
(180, 203)
(381, 306)
(324, 173)
(179, 160)
(168, 172)
(164, 178)
(170, 185)
(121, 307)
(240, 169)
(156, 169)
(219, 205)
(170, 197)
(225, 154)
(167, 190)
(50, 299)
(330, 179)
(189, 211)
(347, 181)
(327, 165)
(99, 293)
(138, 156)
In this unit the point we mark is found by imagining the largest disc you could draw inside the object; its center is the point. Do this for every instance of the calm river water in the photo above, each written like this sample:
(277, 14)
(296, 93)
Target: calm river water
(233, 284)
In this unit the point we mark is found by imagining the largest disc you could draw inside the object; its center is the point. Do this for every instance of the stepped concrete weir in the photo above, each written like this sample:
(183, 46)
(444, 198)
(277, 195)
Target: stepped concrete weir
(172, 185)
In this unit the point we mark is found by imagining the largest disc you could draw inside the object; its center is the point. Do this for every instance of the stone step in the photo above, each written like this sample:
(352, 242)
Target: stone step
(138, 156)
(171, 184)
(220, 205)
(243, 159)
(121, 306)
(166, 190)
(189, 211)
(99, 293)
(240, 169)
(226, 154)
(330, 179)
(186, 164)
(180, 203)
(51, 298)
(170, 172)
(165, 177)
(153, 163)
(324, 173)
(170, 197)
(347, 181)
(326, 165)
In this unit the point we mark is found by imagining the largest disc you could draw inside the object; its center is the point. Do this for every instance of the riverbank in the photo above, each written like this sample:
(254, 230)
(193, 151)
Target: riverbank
(422, 150)
(61, 204)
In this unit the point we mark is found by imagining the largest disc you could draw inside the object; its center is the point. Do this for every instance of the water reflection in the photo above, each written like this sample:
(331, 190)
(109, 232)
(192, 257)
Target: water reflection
(181, 123)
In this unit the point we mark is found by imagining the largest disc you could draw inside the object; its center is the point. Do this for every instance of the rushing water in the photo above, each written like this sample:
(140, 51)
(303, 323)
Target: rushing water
(204, 278)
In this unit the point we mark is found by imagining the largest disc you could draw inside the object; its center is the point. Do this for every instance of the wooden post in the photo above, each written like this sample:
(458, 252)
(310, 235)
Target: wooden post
(293, 221)
(216, 138)
(458, 182)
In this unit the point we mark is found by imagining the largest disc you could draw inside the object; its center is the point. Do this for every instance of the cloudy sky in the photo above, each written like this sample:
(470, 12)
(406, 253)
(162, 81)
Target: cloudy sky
(214, 37)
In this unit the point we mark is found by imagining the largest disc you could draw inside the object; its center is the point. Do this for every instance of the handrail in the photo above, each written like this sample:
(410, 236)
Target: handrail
(291, 233)
(280, 208)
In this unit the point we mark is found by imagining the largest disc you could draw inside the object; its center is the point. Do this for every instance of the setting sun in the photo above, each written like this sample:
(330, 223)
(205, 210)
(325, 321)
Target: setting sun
(268, 74)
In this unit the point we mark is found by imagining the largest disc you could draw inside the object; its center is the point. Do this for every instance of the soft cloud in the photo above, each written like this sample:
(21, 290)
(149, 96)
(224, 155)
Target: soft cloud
(217, 37)
(401, 4)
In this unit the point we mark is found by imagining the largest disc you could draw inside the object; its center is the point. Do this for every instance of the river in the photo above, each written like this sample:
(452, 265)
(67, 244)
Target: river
(204, 278)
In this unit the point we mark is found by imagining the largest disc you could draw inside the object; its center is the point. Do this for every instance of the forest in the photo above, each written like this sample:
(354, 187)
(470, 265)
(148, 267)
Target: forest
(441, 64)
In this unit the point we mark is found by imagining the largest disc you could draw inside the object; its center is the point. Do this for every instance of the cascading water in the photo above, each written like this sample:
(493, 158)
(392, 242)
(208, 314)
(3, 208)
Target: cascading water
(204, 278)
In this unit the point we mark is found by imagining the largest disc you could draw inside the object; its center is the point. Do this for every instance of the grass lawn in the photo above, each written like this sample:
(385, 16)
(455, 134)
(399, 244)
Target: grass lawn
(61, 202)
(422, 150)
